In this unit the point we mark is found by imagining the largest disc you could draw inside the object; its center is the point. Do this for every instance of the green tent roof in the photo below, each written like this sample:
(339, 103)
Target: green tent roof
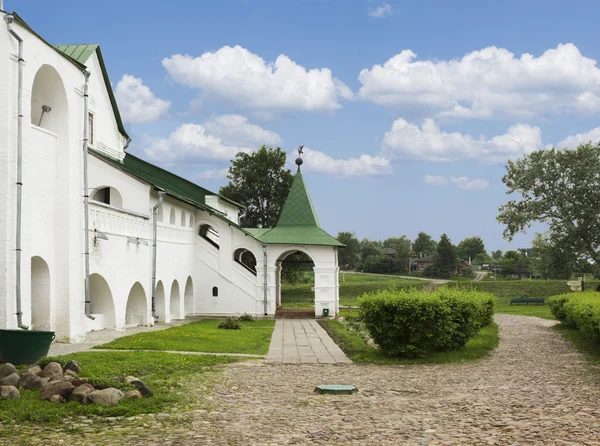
(298, 222)
(81, 53)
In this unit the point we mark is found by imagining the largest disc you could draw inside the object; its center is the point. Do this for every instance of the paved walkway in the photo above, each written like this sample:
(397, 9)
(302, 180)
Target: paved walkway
(303, 341)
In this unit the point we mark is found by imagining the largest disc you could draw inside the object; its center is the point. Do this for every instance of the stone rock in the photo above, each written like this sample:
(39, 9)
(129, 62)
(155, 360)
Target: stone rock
(7, 369)
(29, 381)
(10, 380)
(78, 381)
(9, 393)
(70, 374)
(57, 399)
(74, 366)
(81, 392)
(106, 397)
(58, 378)
(133, 395)
(35, 369)
(52, 370)
(62, 388)
(144, 388)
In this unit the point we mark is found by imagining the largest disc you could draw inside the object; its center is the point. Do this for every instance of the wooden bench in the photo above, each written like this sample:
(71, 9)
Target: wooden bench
(527, 301)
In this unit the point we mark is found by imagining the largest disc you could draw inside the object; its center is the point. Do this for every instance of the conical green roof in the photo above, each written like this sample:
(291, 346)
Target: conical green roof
(298, 209)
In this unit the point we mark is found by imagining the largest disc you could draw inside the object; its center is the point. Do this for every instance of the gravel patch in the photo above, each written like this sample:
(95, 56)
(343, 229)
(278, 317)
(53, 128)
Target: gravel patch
(534, 389)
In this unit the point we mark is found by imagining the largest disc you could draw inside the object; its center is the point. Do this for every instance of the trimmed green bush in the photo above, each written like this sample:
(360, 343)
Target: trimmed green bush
(583, 312)
(246, 318)
(230, 324)
(412, 323)
(557, 306)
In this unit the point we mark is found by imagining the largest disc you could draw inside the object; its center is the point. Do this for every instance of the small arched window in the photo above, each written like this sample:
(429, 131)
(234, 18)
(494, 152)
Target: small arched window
(191, 220)
(209, 234)
(159, 214)
(246, 259)
(182, 218)
(172, 216)
(108, 195)
(215, 292)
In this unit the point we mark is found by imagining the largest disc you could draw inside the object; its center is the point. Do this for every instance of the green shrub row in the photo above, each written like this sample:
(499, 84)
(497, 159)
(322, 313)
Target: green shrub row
(412, 323)
(580, 310)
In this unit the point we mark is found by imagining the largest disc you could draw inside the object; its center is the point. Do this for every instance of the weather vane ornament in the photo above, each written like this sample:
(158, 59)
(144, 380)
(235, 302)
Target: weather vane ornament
(299, 160)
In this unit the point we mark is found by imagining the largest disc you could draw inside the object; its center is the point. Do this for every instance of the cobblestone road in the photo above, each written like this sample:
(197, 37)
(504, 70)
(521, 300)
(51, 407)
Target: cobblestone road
(535, 389)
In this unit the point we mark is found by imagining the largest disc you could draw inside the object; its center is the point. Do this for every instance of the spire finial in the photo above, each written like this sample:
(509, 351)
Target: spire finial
(299, 160)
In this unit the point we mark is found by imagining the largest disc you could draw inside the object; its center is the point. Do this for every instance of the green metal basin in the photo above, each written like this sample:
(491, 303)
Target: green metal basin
(24, 346)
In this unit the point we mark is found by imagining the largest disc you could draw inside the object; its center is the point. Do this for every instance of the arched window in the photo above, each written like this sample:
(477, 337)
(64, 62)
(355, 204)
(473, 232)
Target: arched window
(182, 218)
(49, 108)
(246, 259)
(209, 234)
(191, 220)
(108, 195)
(215, 292)
(172, 216)
(159, 214)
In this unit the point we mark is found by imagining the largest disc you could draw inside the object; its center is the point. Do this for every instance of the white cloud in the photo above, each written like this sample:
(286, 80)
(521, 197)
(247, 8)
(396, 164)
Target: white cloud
(489, 82)
(572, 141)
(214, 174)
(385, 9)
(407, 140)
(237, 130)
(136, 101)
(245, 79)
(461, 182)
(364, 165)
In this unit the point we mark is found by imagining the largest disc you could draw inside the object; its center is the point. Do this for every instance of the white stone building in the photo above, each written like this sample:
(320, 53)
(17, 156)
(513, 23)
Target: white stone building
(200, 248)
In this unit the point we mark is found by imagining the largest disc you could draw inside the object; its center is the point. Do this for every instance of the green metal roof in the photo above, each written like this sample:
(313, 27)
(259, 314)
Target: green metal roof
(298, 209)
(298, 222)
(81, 53)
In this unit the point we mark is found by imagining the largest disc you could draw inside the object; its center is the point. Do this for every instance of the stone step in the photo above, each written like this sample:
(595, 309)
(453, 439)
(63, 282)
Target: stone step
(295, 313)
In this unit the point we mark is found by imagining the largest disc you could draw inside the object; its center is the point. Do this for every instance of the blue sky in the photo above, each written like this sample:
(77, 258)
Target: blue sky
(409, 109)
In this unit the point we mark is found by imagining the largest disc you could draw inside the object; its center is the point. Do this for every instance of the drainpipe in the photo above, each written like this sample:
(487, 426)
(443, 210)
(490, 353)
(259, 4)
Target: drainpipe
(265, 276)
(9, 19)
(161, 195)
(86, 196)
(127, 142)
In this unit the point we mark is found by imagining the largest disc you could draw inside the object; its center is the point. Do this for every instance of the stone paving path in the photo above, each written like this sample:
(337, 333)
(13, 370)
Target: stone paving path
(303, 341)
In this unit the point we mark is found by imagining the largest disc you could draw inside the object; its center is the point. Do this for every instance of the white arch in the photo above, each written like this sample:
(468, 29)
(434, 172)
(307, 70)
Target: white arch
(188, 296)
(101, 299)
(183, 219)
(159, 303)
(41, 297)
(172, 216)
(136, 312)
(175, 301)
(191, 223)
(108, 195)
(290, 249)
(48, 91)
(159, 214)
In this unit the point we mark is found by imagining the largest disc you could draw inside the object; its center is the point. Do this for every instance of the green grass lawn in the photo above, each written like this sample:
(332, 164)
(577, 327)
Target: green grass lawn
(165, 373)
(352, 286)
(201, 336)
(358, 351)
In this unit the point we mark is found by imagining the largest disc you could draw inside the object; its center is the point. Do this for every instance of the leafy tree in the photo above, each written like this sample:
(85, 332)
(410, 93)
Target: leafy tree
(424, 245)
(552, 262)
(445, 259)
(470, 247)
(515, 262)
(368, 248)
(482, 259)
(497, 255)
(293, 272)
(349, 254)
(403, 247)
(379, 263)
(562, 189)
(259, 182)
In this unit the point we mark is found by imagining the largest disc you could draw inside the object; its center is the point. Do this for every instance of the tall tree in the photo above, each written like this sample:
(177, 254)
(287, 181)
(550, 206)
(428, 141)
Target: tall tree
(349, 254)
(497, 255)
(259, 182)
(515, 262)
(368, 248)
(560, 188)
(445, 259)
(552, 262)
(424, 245)
(402, 246)
(470, 247)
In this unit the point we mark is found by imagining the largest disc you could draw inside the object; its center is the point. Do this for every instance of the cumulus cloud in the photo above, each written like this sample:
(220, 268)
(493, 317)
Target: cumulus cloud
(407, 140)
(213, 174)
(237, 130)
(246, 80)
(364, 165)
(383, 10)
(572, 141)
(136, 101)
(461, 182)
(488, 82)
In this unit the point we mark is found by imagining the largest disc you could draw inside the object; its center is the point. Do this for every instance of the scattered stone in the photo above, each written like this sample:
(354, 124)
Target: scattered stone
(57, 399)
(29, 381)
(133, 395)
(78, 381)
(106, 397)
(10, 380)
(7, 369)
(144, 388)
(35, 369)
(62, 388)
(52, 370)
(70, 374)
(81, 392)
(74, 366)
(9, 393)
